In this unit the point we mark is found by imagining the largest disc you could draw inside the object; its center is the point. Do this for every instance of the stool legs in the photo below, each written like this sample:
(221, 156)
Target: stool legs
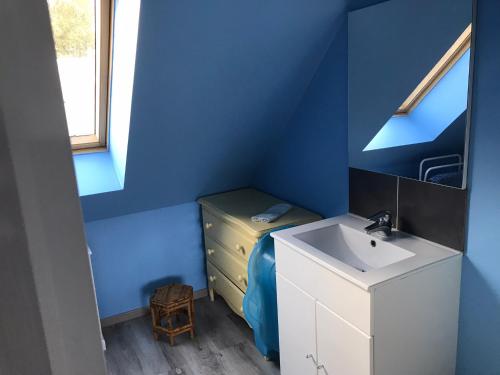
(155, 317)
(161, 314)
(191, 318)
(171, 339)
(190, 310)
(171, 328)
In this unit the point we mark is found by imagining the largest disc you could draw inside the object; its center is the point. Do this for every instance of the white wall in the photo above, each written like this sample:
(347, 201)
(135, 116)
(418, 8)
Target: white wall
(48, 317)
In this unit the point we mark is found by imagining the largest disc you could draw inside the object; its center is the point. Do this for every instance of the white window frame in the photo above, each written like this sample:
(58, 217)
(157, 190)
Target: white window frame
(457, 50)
(104, 11)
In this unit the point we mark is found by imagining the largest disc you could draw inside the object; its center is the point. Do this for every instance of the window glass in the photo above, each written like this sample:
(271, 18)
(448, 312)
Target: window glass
(74, 30)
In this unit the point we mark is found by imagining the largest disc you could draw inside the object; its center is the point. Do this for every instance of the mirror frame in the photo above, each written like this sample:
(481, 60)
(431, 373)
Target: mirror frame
(470, 94)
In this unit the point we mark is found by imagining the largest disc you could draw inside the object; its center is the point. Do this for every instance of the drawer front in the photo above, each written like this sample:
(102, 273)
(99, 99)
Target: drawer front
(235, 241)
(345, 299)
(225, 288)
(232, 266)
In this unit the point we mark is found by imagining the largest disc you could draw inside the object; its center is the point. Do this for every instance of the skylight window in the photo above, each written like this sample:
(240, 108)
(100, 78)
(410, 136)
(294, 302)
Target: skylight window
(439, 99)
(81, 31)
(457, 50)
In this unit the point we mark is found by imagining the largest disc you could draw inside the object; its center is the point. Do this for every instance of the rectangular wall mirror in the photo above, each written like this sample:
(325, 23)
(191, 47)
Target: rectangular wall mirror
(409, 76)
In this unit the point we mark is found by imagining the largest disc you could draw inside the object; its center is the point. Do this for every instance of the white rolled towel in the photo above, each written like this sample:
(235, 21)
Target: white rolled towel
(272, 213)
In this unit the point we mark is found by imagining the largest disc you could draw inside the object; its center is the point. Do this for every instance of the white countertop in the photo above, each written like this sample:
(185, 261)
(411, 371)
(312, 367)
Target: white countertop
(426, 252)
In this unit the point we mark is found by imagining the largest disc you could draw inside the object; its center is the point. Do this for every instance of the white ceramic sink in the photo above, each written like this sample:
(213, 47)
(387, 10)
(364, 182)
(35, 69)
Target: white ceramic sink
(356, 249)
(341, 245)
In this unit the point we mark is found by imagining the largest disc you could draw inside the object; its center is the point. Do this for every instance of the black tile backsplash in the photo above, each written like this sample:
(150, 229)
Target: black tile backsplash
(430, 211)
(434, 212)
(371, 192)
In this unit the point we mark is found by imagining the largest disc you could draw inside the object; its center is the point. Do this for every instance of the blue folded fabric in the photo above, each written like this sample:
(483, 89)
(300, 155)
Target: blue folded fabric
(260, 304)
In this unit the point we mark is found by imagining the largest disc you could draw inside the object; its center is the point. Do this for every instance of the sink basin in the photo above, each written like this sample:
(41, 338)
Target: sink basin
(358, 250)
(341, 245)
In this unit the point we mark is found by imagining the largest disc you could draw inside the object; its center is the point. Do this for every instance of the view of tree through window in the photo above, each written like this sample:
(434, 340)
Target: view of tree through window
(74, 30)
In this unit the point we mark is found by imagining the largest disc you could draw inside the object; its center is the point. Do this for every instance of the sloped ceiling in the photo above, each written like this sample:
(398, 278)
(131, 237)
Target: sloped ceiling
(216, 83)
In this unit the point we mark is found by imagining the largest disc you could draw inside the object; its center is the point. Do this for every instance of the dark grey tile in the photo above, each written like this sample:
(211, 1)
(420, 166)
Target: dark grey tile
(434, 212)
(370, 192)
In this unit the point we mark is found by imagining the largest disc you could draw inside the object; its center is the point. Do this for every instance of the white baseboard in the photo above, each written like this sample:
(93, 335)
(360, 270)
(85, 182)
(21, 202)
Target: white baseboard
(141, 311)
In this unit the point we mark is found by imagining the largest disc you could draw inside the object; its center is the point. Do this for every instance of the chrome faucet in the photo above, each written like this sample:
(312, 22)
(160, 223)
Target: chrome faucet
(382, 223)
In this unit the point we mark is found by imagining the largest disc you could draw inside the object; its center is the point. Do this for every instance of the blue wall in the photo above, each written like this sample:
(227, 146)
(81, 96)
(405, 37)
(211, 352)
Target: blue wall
(95, 173)
(308, 163)
(358, 4)
(133, 254)
(479, 341)
(215, 84)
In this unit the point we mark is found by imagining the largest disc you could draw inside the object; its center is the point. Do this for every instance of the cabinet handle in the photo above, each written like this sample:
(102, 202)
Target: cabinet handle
(240, 248)
(208, 225)
(210, 251)
(310, 356)
(212, 278)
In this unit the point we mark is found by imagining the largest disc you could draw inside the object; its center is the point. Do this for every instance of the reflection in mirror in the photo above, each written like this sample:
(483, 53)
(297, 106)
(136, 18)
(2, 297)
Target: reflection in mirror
(409, 63)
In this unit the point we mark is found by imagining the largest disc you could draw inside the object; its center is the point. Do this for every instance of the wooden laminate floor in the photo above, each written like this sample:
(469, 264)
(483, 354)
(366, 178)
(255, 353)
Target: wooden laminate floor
(223, 346)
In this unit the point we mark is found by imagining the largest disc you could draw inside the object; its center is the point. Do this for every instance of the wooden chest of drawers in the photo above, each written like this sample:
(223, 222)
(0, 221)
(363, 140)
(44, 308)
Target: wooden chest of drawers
(230, 236)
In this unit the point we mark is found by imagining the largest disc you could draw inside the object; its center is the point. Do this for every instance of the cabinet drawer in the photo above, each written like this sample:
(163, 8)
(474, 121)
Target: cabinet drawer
(235, 241)
(345, 299)
(225, 288)
(230, 265)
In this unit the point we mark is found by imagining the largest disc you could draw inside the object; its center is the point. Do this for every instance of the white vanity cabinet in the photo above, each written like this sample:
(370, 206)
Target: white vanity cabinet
(314, 340)
(329, 325)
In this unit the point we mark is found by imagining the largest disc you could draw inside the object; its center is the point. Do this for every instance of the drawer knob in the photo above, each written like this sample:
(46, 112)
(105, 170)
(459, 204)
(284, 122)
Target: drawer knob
(212, 278)
(240, 248)
(210, 251)
(242, 279)
(208, 225)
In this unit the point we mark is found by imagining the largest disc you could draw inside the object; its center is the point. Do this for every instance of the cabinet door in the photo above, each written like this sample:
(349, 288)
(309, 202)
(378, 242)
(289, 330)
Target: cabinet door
(342, 348)
(297, 329)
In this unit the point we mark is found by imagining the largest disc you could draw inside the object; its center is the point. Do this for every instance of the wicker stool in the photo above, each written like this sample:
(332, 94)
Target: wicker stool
(168, 302)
